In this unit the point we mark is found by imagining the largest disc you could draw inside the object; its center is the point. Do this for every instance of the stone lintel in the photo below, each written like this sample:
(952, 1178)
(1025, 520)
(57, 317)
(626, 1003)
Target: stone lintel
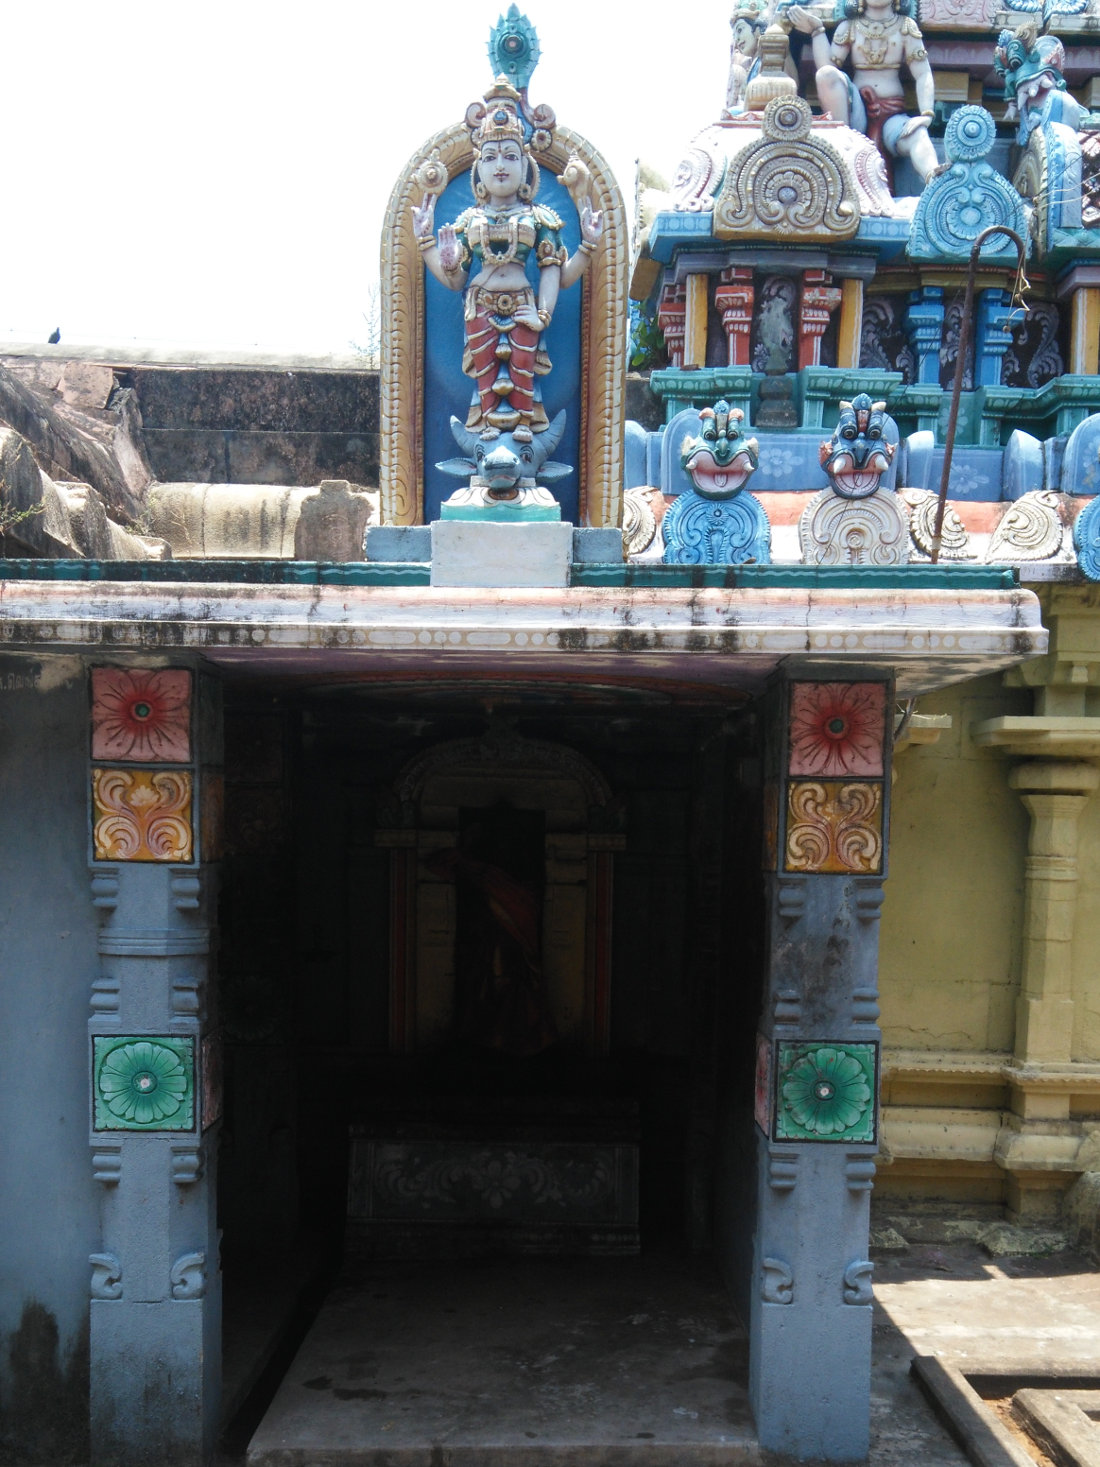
(926, 638)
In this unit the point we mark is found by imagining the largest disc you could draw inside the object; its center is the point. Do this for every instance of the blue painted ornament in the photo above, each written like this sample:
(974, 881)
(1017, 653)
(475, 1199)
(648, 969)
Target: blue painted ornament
(702, 531)
(1086, 539)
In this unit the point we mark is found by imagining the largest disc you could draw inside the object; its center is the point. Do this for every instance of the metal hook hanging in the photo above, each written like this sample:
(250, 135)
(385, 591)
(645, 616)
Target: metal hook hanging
(960, 362)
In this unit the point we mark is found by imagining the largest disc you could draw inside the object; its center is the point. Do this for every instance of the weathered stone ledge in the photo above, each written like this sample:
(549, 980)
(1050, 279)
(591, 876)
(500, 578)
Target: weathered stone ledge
(930, 638)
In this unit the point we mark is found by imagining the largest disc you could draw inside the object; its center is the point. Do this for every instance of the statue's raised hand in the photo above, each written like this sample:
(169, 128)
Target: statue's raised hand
(591, 224)
(424, 217)
(450, 251)
(802, 19)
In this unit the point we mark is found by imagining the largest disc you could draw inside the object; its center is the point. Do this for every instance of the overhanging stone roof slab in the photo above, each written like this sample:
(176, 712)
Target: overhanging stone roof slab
(710, 636)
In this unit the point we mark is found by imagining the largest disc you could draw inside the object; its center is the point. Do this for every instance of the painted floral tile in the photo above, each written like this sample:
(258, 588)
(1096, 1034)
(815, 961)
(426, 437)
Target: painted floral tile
(141, 714)
(837, 729)
(826, 1092)
(143, 1083)
(142, 814)
(834, 827)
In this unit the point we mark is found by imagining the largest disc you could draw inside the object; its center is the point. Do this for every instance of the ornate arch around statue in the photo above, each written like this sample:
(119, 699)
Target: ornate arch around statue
(603, 323)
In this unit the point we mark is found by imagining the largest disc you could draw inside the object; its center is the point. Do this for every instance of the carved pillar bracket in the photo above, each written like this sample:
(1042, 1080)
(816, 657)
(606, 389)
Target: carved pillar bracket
(994, 321)
(819, 299)
(672, 319)
(924, 328)
(827, 778)
(733, 297)
(155, 1286)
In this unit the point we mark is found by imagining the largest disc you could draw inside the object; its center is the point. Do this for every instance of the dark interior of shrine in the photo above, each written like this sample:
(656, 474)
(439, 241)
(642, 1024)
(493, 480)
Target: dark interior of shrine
(662, 1057)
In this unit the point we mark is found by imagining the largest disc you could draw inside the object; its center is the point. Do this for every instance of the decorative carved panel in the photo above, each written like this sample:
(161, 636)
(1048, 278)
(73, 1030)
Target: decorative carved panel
(826, 1091)
(141, 715)
(143, 1083)
(790, 185)
(142, 815)
(837, 729)
(834, 827)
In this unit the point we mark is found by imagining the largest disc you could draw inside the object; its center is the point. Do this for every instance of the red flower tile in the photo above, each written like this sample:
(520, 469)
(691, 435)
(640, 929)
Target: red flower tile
(141, 714)
(837, 728)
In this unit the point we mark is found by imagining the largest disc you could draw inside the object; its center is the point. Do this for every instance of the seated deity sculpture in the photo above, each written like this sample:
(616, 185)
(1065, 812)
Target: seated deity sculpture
(877, 39)
(486, 253)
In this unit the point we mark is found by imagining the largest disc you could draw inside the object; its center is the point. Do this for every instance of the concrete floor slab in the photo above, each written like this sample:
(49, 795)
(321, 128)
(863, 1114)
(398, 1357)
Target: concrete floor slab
(620, 1362)
(609, 1361)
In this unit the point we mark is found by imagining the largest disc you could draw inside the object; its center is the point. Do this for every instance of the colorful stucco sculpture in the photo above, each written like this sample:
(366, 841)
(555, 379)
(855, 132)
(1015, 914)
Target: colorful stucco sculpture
(717, 521)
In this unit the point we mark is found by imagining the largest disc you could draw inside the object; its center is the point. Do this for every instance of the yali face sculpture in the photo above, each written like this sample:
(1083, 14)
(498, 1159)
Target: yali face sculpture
(858, 454)
(720, 460)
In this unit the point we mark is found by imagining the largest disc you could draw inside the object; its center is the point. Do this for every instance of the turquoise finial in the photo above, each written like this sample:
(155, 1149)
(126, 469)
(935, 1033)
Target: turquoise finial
(514, 48)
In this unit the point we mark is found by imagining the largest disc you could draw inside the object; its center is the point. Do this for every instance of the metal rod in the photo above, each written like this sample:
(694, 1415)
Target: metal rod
(960, 367)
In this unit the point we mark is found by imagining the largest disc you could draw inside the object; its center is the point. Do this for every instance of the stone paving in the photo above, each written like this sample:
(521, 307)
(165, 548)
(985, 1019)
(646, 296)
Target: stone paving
(517, 1364)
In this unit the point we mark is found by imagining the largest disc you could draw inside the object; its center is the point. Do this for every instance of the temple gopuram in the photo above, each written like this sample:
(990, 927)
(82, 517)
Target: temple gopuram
(594, 812)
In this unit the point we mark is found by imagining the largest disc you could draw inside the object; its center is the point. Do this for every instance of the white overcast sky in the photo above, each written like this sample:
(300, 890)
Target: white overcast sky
(215, 174)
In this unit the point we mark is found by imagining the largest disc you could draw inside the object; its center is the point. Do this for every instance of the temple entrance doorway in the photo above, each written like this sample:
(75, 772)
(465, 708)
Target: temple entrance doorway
(490, 976)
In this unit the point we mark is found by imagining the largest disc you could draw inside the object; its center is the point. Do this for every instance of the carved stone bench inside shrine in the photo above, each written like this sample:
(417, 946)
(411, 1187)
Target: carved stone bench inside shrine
(439, 1177)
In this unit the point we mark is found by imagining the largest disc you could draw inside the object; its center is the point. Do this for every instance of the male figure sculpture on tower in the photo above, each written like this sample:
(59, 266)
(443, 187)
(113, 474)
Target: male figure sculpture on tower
(877, 39)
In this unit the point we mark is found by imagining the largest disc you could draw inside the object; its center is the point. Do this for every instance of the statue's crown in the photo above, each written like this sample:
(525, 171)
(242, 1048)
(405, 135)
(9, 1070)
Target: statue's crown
(500, 121)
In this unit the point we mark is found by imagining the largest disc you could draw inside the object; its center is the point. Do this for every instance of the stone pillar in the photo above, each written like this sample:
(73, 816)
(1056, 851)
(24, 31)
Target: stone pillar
(155, 1332)
(826, 791)
(733, 296)
(695, 321)
(819, 299)
(851, 323)
(924, 328)
(994, 321)
(1055, 793)
(671, 318)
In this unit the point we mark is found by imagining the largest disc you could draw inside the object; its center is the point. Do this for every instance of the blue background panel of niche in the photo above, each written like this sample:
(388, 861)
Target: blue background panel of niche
(447, 389)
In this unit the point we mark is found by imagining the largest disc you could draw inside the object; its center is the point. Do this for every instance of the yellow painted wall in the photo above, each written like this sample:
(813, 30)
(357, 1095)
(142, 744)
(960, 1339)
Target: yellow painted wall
(1086, 942)
(950, 945)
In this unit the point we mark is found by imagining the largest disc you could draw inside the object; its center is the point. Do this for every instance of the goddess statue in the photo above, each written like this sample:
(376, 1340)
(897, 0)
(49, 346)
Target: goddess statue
(877, 39)
(486, 252)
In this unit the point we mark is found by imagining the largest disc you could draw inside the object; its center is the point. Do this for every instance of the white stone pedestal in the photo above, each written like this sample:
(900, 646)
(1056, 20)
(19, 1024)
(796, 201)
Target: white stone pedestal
(480, 553)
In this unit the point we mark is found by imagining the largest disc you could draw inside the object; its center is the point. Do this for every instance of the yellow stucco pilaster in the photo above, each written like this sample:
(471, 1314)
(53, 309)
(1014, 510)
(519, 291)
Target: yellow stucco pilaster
(1053, 1066)
(1055, 793)
(851, 323)
(1085, 331)
(695, 325)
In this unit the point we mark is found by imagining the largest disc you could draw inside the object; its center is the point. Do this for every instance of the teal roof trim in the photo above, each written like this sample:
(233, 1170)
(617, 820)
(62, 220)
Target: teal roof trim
(222, 572)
